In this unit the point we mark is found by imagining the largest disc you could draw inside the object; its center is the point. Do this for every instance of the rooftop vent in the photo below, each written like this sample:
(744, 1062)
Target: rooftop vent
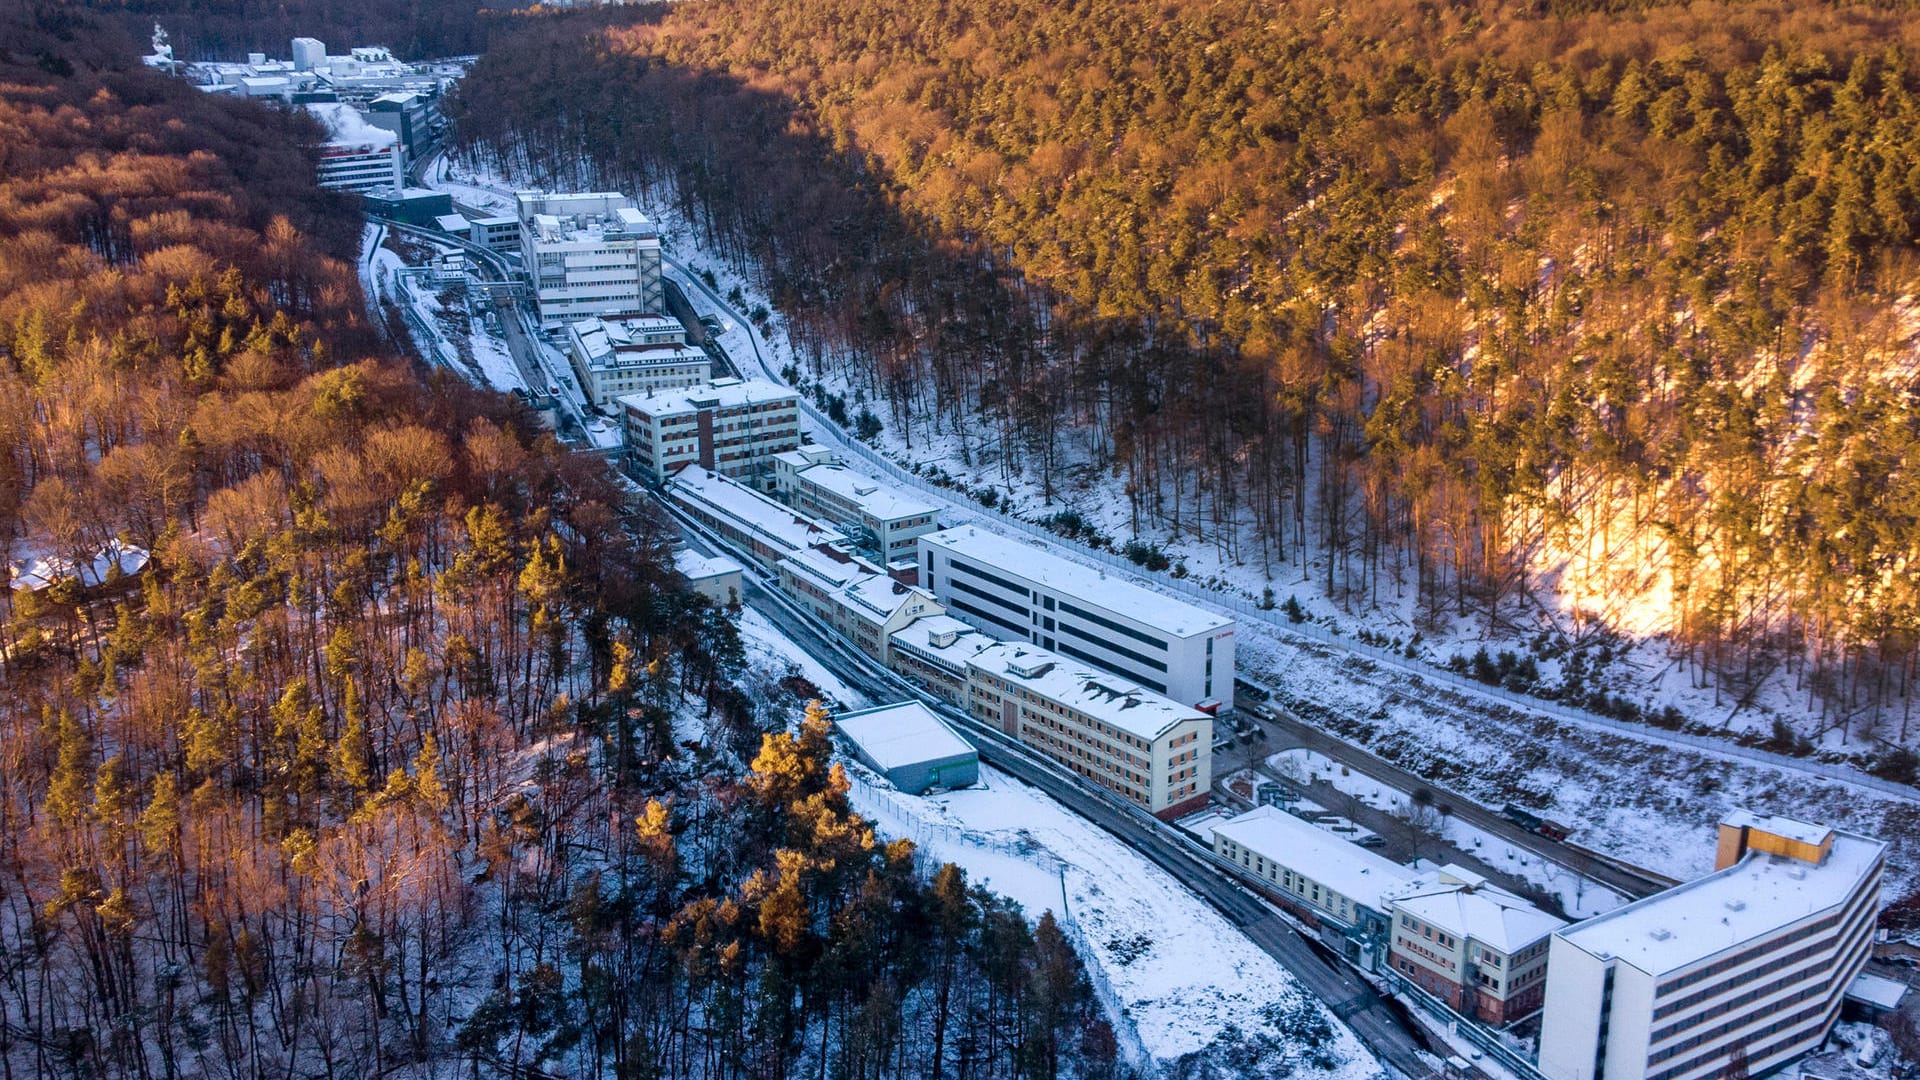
(1660, 933)
(1736, 904)
(940, 639)
(1029, 667)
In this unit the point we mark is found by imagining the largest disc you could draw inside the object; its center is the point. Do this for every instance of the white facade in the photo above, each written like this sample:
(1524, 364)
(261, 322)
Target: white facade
(1016, 591)
(589, 254)
(731, 426)
(1317, 870)
(1478, 947)
(308, 53)
(356, 156)
(496, 233)
(815, 482)
(616, 357)
(1143, 747)
(716, 577)
(753, 523)
(1744, 969)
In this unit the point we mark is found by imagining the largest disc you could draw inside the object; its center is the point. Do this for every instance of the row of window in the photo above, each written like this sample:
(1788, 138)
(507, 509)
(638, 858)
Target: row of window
(1852, 940)
(1870, 886)
(1143, 661)
(1785, 1023)
(983, 575)
(1081, 613)
(1066, 649)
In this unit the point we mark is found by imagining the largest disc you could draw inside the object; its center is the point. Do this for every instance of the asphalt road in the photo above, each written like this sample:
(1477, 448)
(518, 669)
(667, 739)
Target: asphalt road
(1285, 729)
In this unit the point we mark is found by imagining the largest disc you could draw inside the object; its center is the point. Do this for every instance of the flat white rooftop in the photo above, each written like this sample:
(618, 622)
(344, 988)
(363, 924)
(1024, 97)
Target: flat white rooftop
(1467, 905)
(718, 394)
(876, 497)
(904, 734)
(1755, 896)
(1348, 869)
(1067, 578)
(946, 637)
(1112, 700)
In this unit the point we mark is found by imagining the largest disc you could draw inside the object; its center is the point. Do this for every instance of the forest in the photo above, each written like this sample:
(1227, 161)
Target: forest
(1597, 315)
(387, 742)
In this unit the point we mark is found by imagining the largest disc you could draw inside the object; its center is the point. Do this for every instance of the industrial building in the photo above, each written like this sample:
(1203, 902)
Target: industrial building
(731, 426)
(614, 357)
(911, 747)
(1470, 943)
(356, 156)
(501, 234)
(816, 482)
(413, 206)
(753, 523)
(589, 254)
(1121, 736)
(1017, 591)
(1740, 971)
(409, 114)
(1335, 884)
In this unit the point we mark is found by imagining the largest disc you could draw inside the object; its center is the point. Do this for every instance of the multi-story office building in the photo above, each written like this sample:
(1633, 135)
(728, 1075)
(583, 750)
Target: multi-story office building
(589, 254)
(1470, 943)
(409, 114)
(753, 523)
(1017, 591)
(816, 482)
(614, 357)
(356, 156)
(854, 596)
(731, 426)
(1144, 747)
(500, 234)
(934, 651)
(1337, 885)
(1739, 972)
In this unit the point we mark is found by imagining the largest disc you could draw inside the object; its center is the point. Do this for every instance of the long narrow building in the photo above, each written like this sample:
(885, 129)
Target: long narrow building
(1739, 972)
(1123, 737)
(1016, 591)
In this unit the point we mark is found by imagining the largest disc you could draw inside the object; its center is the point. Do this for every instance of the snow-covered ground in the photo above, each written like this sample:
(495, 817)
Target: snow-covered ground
(1571, 770)
(765, 644)
(1178, 972)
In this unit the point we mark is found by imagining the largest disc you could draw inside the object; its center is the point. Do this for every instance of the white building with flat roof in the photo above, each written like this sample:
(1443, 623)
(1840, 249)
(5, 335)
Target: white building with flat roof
(1112, 732)
(500, 234)
(1017, 591)
(815, 481)
(1742, 970)
(753, 523)
(589, 254)
(357, 156)
(731, 426)
(615, 357)
(716, 577)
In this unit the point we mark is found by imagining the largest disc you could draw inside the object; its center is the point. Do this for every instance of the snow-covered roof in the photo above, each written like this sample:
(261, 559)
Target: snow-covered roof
(1470, 907)
(345, 125)
(717, 394)
(1305, 848)
(1105, 697)
(943, 638)
(698, 567)
(1067, 578)
(624, 343)
(1797, 831)
(1877, 991)
(749, 510)
(905, 734)
(877, 597)
(1759, 894)
(877, 498)
(452, 223)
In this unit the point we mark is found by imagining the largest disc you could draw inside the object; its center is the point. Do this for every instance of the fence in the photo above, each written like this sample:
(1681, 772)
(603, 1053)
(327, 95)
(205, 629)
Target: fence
(1420, 674)
(1126, 1033)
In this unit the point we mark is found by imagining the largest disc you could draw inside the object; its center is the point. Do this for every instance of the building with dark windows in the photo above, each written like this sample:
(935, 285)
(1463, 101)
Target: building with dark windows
(1016, 591)
(1144, 747)
(1737, 973)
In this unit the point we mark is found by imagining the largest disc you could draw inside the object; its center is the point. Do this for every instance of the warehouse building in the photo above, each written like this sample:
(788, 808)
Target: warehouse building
(814, 481)
(731, 426)
(1743, 970)
(911, 747)
(589, 254)
(616, 357)
(1337, 885)
(753, 523)
(1119, 735)
(1016, 591)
